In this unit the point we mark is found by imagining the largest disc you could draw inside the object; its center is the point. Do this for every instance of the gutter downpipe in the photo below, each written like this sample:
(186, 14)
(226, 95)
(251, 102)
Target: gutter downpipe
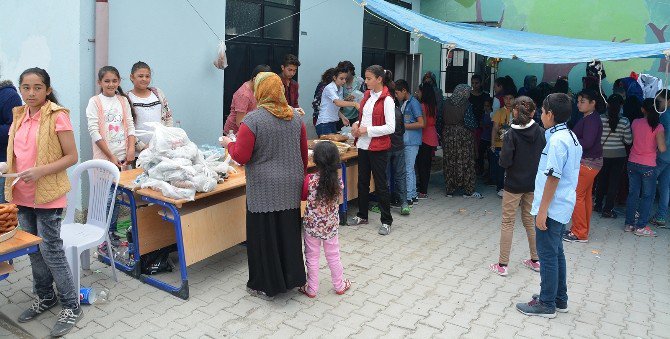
(101, 34)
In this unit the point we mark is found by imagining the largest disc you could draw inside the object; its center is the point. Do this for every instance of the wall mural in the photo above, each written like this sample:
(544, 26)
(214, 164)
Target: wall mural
(638, 21)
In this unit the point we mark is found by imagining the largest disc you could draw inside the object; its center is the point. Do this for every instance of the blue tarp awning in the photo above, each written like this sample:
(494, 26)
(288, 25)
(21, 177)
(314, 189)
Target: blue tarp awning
(506, 43)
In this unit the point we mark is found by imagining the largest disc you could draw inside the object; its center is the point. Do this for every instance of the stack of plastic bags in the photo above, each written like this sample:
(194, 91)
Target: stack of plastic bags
(175, 166)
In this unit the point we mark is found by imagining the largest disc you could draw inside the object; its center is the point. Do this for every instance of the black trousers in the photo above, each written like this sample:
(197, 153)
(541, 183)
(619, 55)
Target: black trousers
(608, 182)
(274, 251)
(424, 162)
(375, 163)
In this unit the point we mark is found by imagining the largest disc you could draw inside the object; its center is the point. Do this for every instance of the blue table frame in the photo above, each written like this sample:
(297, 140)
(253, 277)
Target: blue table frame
(126, 197)
(15, 254)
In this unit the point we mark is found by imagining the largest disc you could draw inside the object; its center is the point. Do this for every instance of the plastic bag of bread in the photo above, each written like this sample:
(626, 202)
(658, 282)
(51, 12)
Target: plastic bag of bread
(221, 60)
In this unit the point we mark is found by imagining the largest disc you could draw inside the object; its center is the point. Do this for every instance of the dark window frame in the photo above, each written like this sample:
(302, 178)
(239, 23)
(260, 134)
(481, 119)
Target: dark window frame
(265, 3)
(369, 19)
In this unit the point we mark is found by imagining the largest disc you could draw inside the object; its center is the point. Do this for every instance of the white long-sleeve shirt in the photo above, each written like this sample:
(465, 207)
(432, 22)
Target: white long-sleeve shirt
(376, 131)
(115, 131)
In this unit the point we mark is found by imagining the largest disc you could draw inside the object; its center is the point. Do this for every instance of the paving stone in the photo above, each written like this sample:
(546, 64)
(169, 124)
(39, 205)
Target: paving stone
(419, 282)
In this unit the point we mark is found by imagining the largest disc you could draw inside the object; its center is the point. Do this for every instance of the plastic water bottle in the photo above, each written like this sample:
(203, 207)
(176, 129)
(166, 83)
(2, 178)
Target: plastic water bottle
(91, 295)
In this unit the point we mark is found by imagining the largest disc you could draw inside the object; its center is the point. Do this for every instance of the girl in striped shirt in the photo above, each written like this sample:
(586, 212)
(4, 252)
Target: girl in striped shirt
(616, 136)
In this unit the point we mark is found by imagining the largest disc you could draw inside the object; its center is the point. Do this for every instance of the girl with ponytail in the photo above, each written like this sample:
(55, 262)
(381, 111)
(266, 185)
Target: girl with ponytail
(648, 138)
(112, 129)
(375, 123)
(616, 136)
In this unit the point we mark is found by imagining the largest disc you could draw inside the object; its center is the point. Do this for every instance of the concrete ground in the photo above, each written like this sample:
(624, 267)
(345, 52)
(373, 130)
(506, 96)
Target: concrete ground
(428, 278)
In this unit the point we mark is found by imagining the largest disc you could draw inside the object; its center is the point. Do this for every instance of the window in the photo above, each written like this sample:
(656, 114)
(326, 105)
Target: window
(242, 17)
(281, 30)
(246, 15)
(381, 35)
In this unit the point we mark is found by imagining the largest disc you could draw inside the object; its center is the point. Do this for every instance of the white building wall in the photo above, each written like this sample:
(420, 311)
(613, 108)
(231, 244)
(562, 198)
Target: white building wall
(52, 35)
(173, 40)
(329, 33)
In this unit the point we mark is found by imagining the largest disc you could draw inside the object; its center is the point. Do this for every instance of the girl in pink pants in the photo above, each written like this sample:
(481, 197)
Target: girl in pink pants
(322, 191)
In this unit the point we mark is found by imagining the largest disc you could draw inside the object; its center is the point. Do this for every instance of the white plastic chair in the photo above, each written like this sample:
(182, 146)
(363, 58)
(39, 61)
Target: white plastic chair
(78, 238)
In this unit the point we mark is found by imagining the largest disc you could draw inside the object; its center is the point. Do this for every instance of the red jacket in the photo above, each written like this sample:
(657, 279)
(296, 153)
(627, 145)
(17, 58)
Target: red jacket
(382, 143)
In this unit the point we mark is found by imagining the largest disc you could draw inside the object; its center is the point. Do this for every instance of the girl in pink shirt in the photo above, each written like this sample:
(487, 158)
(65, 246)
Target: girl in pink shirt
(40, 212)
(648, 136)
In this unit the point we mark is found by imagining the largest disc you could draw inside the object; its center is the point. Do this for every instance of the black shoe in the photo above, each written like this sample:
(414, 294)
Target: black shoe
(66, 320)
(597, 208)
(38, 307)
(115, 239)
(396, 204)
(536, 308)
(561, 306)
(410, 203)
(609, 215)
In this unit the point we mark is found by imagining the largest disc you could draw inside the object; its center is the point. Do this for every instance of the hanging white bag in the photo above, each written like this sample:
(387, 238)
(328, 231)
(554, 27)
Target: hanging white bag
(221, 60)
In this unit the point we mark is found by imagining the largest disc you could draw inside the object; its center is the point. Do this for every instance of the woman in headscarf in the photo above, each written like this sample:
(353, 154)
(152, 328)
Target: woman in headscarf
(272, 144)
(458, 145)
(529, 83)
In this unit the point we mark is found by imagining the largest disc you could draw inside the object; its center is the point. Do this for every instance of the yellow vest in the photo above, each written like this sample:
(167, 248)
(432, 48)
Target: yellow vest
(49, 187)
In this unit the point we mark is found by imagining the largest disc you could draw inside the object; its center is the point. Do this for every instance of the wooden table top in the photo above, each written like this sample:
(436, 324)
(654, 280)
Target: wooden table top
(234, 181)
(20, 240)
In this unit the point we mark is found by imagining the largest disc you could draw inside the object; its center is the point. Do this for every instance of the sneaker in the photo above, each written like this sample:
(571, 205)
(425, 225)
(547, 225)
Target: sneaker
(501, 193)
(449, 194)
(415, 200)
(422, 196)
(115, 240)
(658, 222)
(570, 237)
(66, 320)
(475, 195)
(410, 202)
(500, 270)
(536, 308)
(375, 209)
(629, 228)
(645, 232)
(355, 221)
(405, 210)
(259, 294)
(38, 307)
(384, 229)
(561, 306)
(609, 215)
(396, 204)
(535, 266)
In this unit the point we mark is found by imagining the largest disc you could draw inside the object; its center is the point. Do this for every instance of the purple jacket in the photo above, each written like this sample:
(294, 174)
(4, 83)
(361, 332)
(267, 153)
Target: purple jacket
(589, 131)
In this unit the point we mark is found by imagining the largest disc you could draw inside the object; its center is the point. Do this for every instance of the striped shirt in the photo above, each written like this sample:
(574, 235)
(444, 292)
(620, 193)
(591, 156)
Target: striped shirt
(614, 143)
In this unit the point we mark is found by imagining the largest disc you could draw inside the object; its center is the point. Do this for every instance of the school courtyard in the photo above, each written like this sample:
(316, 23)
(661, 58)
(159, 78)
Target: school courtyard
(428, 278)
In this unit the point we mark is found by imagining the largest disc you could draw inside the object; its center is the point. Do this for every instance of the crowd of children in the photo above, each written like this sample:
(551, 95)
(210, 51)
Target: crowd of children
(542, 157)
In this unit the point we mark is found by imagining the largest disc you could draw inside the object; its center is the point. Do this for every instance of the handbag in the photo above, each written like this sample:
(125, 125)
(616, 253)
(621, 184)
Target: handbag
(469, 120)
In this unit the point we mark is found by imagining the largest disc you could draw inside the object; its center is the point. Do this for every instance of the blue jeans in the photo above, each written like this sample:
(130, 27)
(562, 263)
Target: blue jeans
(553, 275)
(641, 189)
(49, 264)
(111, 200)
(326, 128)
(2, 193)
(662, 172)
(396, 169)
(410, 161)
